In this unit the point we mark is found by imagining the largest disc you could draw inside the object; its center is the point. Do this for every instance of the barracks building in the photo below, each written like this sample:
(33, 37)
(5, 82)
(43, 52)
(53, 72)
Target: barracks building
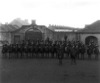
(13, 34)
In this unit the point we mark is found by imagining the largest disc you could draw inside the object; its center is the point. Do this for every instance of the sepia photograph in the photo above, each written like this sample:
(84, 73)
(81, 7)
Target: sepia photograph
(49, 41)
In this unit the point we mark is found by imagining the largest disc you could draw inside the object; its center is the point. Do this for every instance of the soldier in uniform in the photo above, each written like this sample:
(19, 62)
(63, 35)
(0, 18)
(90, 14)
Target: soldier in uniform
(47, 50)
(29, 51)
(77, 47)
(10, 50)
(33, 50)
(25, 51)
(39, 50)
(36, 50)
(66, 50)
(14, 50)
(73, 54)
(89, 51)
(82, 51)
(4, 50)
(52, 50)
(60, 54)
(42, 50)
(20, 51)
(96, 52)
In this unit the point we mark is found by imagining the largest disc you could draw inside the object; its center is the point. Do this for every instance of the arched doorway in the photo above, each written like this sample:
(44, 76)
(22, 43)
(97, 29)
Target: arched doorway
(33, 34)
(91, 38)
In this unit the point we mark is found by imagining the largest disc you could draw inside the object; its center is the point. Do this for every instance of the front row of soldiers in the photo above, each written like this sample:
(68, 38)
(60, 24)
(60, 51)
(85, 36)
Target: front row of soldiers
(57, 49)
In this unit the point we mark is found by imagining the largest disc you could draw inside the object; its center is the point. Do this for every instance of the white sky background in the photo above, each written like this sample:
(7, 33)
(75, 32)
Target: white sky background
(74, 13)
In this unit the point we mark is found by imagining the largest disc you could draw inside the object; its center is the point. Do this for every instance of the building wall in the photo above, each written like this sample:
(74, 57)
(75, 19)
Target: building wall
(18, 34)
(61, 35)
(5, 36)
(83, 37)
(45, 33)
(71, 36)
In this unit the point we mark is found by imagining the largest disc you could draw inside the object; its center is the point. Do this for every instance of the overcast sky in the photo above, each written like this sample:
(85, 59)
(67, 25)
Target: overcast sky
(74, 13)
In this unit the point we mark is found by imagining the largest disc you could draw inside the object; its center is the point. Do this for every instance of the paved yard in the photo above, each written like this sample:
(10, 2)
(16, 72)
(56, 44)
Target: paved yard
(48, 71)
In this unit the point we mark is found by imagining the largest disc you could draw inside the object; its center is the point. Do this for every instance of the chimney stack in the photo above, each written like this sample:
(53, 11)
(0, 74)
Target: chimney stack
(33, 22)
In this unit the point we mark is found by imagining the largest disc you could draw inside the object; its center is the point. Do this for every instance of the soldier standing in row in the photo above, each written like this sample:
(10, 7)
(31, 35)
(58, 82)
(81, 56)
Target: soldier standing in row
(73, 54)
(60, 54)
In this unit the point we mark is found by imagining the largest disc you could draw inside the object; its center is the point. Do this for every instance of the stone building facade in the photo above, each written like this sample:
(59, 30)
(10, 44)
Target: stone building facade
(33, 31)
(36, 32)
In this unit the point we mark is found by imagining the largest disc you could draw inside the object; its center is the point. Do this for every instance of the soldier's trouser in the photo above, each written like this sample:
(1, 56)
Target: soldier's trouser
(52, 55)
(89, 56)
(73, 59)
(60, 61)
(96, 56)
(82, 56)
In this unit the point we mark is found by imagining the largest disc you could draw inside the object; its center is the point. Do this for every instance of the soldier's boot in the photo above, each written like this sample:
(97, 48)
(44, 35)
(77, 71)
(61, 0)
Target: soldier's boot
(36, 55)
(48, 55)
(83, 57)
(52, 55)
(59, 62)
(32, 55)
(96, 57)
(74, 61)
(78, 56)
(9, 55)
(89, 57)
(3, 55)
(26, 55)
(21, 55)
(42, 55)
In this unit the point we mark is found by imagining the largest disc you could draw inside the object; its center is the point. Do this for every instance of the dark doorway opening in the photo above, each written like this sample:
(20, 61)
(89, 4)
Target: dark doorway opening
(33, 35)
(91, 38)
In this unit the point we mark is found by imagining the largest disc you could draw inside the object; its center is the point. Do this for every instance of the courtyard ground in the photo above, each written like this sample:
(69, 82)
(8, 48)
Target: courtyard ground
(48, 71)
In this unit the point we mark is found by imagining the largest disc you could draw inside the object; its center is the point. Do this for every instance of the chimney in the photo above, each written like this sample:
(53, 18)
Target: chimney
(33, 22)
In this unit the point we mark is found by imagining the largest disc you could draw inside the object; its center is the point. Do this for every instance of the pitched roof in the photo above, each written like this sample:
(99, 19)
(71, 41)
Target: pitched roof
(8, 28)
(24, 27)
(92, 28)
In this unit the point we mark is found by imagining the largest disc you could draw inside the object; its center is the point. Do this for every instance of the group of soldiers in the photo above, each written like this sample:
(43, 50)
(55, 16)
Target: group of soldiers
(50, 49)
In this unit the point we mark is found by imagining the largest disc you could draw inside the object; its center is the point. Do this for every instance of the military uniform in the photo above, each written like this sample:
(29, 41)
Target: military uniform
(60, 54)
(73, 54)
